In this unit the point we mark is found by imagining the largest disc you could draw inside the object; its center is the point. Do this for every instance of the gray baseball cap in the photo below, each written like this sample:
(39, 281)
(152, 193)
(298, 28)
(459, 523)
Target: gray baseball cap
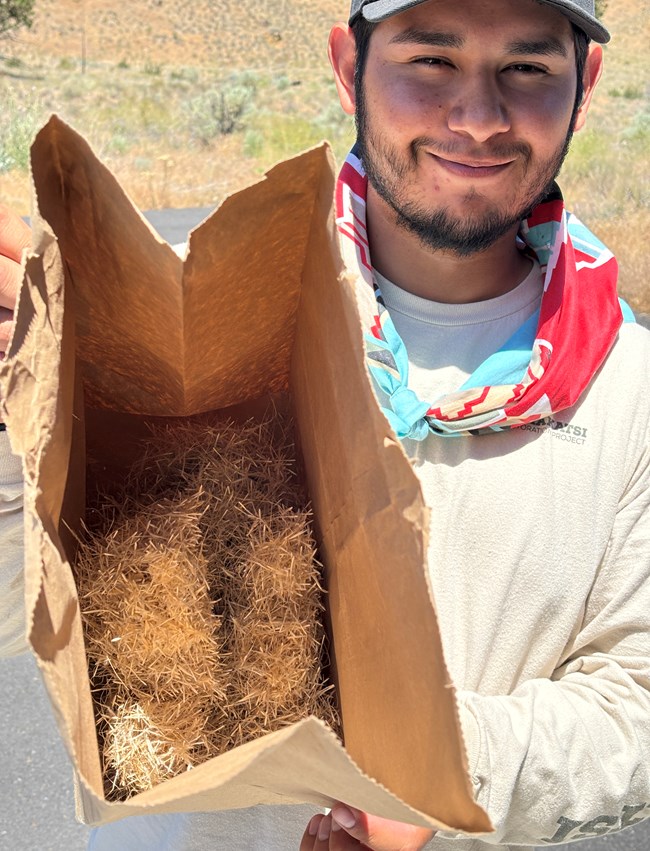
(580, 12)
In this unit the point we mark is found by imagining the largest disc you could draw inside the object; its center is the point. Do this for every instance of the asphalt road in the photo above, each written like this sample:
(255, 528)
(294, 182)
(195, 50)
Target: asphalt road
(36, 796)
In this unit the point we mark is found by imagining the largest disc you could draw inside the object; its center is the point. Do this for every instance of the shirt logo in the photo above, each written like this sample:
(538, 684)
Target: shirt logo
(567, 432)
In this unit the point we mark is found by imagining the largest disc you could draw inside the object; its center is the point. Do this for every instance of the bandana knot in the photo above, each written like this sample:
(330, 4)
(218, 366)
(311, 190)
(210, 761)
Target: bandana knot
(410, 421)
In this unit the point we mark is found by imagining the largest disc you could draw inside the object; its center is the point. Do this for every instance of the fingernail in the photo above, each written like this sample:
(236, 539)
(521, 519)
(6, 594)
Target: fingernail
(335, 826)
(312, 828)
(344, 817)
(324, 829)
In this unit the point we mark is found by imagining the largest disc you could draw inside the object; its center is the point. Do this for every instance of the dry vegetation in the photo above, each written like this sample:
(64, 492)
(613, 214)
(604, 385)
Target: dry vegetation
(201, 602)
(186, 103)
(226, 34)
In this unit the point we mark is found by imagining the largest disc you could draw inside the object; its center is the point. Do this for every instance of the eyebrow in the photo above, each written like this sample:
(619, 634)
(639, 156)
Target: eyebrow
(550, 46)
(543, 47)
(427, 38)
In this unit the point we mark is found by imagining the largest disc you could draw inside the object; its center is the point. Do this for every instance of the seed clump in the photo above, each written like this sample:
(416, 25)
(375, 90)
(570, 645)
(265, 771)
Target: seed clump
(201, 602)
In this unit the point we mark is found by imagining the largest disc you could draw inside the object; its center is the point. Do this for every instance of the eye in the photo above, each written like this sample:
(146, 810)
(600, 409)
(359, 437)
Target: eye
(432, 61)
(526, 69)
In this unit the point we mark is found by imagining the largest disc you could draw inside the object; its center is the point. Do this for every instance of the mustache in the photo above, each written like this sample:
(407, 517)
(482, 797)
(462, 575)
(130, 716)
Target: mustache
(496, 151)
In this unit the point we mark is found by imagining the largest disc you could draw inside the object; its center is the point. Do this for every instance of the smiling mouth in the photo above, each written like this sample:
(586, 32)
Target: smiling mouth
(475, 169)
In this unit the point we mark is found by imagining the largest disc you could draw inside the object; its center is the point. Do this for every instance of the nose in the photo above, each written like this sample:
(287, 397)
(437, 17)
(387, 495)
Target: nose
(479, 109)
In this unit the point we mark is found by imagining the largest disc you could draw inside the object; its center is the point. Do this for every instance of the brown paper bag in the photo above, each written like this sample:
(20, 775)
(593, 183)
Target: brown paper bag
(113, 329)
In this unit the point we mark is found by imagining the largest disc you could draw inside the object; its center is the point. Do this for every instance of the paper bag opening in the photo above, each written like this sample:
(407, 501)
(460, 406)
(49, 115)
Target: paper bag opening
(111, 320)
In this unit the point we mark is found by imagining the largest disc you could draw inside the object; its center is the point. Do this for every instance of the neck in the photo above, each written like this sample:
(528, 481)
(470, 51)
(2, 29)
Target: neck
(441, 276)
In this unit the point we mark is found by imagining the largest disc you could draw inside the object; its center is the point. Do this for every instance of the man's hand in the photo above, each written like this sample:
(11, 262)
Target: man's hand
(14, 236)
(346, 829)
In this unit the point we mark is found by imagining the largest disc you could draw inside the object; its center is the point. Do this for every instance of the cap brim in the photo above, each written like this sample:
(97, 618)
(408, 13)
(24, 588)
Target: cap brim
(379, 10)
(582, 19)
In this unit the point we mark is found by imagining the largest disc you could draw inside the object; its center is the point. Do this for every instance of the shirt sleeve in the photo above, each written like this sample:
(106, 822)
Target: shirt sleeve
(12, 604)
(569, 757)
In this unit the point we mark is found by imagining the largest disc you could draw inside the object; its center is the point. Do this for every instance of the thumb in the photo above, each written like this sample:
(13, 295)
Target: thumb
(380, 834)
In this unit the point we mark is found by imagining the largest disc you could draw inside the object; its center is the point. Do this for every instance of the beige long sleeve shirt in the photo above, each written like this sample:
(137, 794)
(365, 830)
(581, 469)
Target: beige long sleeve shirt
(539, 563)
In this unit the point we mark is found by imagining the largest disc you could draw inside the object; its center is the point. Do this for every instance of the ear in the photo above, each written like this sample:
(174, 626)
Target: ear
(342, 52)
(593, 70)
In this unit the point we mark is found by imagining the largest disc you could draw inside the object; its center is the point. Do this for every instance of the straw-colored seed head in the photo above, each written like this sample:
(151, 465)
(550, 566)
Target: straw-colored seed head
(201, 603)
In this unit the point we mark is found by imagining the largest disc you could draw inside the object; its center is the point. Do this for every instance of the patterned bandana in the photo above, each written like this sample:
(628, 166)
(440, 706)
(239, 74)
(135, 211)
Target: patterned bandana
(541, 370)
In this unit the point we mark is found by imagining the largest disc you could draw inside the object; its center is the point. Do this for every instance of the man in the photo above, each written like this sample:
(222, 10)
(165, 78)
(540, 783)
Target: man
(471, 279)
(506, 338)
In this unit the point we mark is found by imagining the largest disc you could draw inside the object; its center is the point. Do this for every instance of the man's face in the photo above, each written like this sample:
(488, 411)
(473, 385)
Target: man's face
(464, 116)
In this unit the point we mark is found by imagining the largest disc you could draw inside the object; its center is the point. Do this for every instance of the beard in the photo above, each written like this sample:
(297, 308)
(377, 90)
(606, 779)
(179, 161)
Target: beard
(390, 173)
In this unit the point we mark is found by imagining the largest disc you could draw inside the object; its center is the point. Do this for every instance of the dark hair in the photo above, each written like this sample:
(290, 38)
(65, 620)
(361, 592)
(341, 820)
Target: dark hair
(363, 29)
(581, 45)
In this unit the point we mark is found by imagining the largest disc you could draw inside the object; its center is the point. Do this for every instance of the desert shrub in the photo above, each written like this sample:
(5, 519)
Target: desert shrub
(17, 130)
(601, 7)
(220, 111)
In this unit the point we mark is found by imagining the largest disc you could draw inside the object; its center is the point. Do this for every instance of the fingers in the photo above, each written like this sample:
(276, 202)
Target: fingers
(316, 837)
(376, 833)
(309, 836)
(323, 834)
(10, 277)
(14, 237)
(6, 328)
(340, 840)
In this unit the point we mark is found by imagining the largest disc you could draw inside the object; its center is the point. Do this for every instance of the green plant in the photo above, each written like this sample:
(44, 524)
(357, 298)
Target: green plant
(143, 163)
(275, 136)
(15, 14)
(590, 150)
(632, 92)
(20, 123)
(219, 113)
(639, 130)
(119, 143)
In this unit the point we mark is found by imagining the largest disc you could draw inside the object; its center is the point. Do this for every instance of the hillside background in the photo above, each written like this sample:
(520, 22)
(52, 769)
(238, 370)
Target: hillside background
(188, 100)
